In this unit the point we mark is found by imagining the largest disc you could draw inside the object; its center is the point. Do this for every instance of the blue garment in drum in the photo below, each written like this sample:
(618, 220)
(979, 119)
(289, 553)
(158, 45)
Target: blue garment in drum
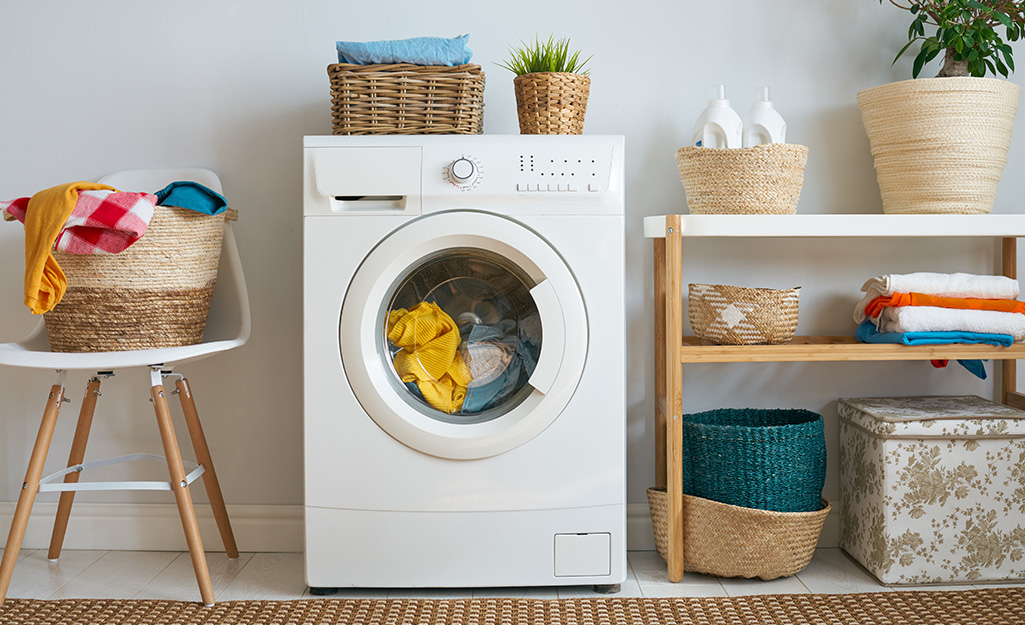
(501, 363)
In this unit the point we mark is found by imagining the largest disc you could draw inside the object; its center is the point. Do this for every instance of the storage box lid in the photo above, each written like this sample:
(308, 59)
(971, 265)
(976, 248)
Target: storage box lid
(966, 416)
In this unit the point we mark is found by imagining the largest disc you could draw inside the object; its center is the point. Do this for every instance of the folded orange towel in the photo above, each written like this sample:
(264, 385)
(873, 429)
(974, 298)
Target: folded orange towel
(45, 217)
(876, 306)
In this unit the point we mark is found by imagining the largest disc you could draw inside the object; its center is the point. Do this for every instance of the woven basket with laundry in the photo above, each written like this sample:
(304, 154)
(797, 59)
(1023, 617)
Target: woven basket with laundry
(155, 294)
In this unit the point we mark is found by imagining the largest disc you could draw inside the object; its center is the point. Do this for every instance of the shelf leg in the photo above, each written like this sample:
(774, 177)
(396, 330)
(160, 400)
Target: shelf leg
(1009, 368)
(660, 363)
(674, 395)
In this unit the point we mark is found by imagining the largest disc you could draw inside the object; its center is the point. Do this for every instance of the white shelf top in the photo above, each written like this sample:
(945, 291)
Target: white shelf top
(874, 225)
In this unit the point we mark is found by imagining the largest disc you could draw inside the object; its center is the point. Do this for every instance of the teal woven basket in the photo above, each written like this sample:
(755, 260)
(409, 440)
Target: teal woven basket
(769, 459)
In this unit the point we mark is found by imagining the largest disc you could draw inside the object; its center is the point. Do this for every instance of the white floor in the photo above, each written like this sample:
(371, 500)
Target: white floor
(168, 575)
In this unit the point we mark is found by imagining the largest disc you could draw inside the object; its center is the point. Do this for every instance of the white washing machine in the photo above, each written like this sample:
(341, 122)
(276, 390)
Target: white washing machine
(464, 364)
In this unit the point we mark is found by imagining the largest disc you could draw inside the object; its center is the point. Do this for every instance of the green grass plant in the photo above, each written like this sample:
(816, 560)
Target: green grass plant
(545, 56)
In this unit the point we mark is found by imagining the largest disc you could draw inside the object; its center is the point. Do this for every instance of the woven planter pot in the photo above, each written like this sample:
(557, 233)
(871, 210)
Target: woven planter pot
(551, 103)
(732, 315)
(404, 99)
(940, 144)
(764, 179)
(730, 541)
(155, 294)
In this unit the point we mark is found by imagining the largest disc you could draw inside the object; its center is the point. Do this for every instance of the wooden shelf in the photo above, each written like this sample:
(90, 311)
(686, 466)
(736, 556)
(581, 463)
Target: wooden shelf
(869, 225)
(839, 349)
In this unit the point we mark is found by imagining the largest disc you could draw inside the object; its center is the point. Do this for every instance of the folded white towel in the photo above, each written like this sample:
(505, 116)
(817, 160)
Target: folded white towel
(938, 284)
(934, 319)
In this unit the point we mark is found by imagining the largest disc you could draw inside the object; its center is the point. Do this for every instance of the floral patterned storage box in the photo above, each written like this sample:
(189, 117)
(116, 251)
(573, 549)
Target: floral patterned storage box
(932, 489)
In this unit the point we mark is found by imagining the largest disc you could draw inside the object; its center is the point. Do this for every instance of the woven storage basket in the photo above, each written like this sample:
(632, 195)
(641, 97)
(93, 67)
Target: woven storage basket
(940, 144)
(734, 315)
(406, 99)
(551, 103)
(730, 541)
(765, 179)
(155, 294)
(770, 459)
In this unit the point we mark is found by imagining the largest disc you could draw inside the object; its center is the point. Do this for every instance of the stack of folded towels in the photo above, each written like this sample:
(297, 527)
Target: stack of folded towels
(938, 308)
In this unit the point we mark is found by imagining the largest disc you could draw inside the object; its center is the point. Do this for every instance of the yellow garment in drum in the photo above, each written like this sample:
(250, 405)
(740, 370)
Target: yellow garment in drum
(429, 355)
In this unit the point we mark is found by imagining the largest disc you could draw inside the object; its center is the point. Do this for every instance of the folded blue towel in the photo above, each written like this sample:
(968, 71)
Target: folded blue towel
(867, 333)
(418, 51)
(193, 196)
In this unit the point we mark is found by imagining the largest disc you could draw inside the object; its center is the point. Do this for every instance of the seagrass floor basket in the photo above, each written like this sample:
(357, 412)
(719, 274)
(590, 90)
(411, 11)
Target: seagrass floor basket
(155, 294)
(405, 99)
(731, 541)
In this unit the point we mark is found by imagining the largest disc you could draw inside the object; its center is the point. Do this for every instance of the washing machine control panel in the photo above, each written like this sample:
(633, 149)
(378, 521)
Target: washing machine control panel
(464, 173)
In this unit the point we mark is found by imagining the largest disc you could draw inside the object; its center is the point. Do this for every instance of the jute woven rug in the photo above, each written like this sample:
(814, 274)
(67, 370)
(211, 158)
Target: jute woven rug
(1004, 606)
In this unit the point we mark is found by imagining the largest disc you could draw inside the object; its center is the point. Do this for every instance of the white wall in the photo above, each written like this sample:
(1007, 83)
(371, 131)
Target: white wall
(94, 87)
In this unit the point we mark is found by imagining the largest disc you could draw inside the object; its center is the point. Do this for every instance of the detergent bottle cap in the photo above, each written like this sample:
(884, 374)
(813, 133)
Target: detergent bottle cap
(762, 99)
(718, 96)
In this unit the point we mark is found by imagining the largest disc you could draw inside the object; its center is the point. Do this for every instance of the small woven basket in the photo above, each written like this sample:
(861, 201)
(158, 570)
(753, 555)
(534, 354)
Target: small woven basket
(765, 179)
(734, 315)
(551, 103)
(731, 541)
(940, 144)
(155, 294)
(769, 459)
(404, 99)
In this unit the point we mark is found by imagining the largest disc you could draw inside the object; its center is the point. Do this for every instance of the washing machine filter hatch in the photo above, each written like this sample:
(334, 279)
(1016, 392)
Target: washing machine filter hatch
(462, 335)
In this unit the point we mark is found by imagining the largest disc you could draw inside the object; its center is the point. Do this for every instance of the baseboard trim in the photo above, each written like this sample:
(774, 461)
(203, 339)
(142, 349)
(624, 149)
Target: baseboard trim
(258, 528)
(157, 527)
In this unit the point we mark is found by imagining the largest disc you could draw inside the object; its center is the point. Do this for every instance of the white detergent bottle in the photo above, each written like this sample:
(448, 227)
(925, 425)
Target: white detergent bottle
(763, 123)
(719, 126)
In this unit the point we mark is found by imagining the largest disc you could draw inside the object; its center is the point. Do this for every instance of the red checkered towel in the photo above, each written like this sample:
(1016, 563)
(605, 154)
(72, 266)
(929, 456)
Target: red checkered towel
(103, 222)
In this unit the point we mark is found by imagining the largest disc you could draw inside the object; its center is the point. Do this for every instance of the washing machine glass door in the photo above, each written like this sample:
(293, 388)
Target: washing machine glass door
(463, 334)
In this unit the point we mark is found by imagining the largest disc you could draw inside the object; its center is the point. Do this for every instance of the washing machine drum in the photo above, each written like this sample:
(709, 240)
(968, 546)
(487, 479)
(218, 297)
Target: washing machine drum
(463, 334)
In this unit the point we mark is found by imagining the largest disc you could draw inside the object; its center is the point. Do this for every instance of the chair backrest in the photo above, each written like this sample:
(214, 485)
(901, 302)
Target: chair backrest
(229, 317)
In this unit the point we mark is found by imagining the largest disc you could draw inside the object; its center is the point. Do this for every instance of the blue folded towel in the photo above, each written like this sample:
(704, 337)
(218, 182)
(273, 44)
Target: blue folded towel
(193, 196)
(418, 51)
(867, 333)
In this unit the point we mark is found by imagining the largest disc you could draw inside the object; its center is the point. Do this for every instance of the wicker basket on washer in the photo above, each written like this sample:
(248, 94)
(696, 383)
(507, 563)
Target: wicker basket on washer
(733, 315)
(730, 541)
(405, 99)
(155, 294)
(765, 179)
(551, 103)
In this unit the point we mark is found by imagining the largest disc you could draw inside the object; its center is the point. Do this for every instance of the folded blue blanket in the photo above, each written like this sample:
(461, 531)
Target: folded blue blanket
(418, 51)
(867, 333)
(193, 196)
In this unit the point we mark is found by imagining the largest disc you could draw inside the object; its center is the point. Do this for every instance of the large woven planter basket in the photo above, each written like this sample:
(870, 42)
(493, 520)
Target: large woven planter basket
(940, 144)
(730, 541)
(551, 103)
(155, 294)
(404, 99)
(734, 315)
(764, 179)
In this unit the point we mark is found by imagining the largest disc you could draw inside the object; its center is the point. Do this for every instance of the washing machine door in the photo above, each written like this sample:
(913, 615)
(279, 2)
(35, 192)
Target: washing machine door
(463, 334)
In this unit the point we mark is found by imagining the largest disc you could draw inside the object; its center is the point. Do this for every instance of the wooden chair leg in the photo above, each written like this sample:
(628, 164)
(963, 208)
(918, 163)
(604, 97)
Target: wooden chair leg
(30, 487)
(213, 487)
(85, 422)
(181, 490)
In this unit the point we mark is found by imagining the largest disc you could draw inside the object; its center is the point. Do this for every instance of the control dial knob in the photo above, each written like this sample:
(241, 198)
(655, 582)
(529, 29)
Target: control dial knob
(464, 172)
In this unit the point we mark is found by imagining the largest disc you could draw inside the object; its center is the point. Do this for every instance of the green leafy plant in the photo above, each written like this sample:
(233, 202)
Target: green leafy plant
(545, 56)
(966, 32)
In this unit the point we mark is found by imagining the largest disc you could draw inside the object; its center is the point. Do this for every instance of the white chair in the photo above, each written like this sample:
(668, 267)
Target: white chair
(227, 327)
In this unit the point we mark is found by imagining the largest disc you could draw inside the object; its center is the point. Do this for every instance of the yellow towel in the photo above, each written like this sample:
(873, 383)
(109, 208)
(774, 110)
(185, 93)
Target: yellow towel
(430, 356)
(47, 212)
